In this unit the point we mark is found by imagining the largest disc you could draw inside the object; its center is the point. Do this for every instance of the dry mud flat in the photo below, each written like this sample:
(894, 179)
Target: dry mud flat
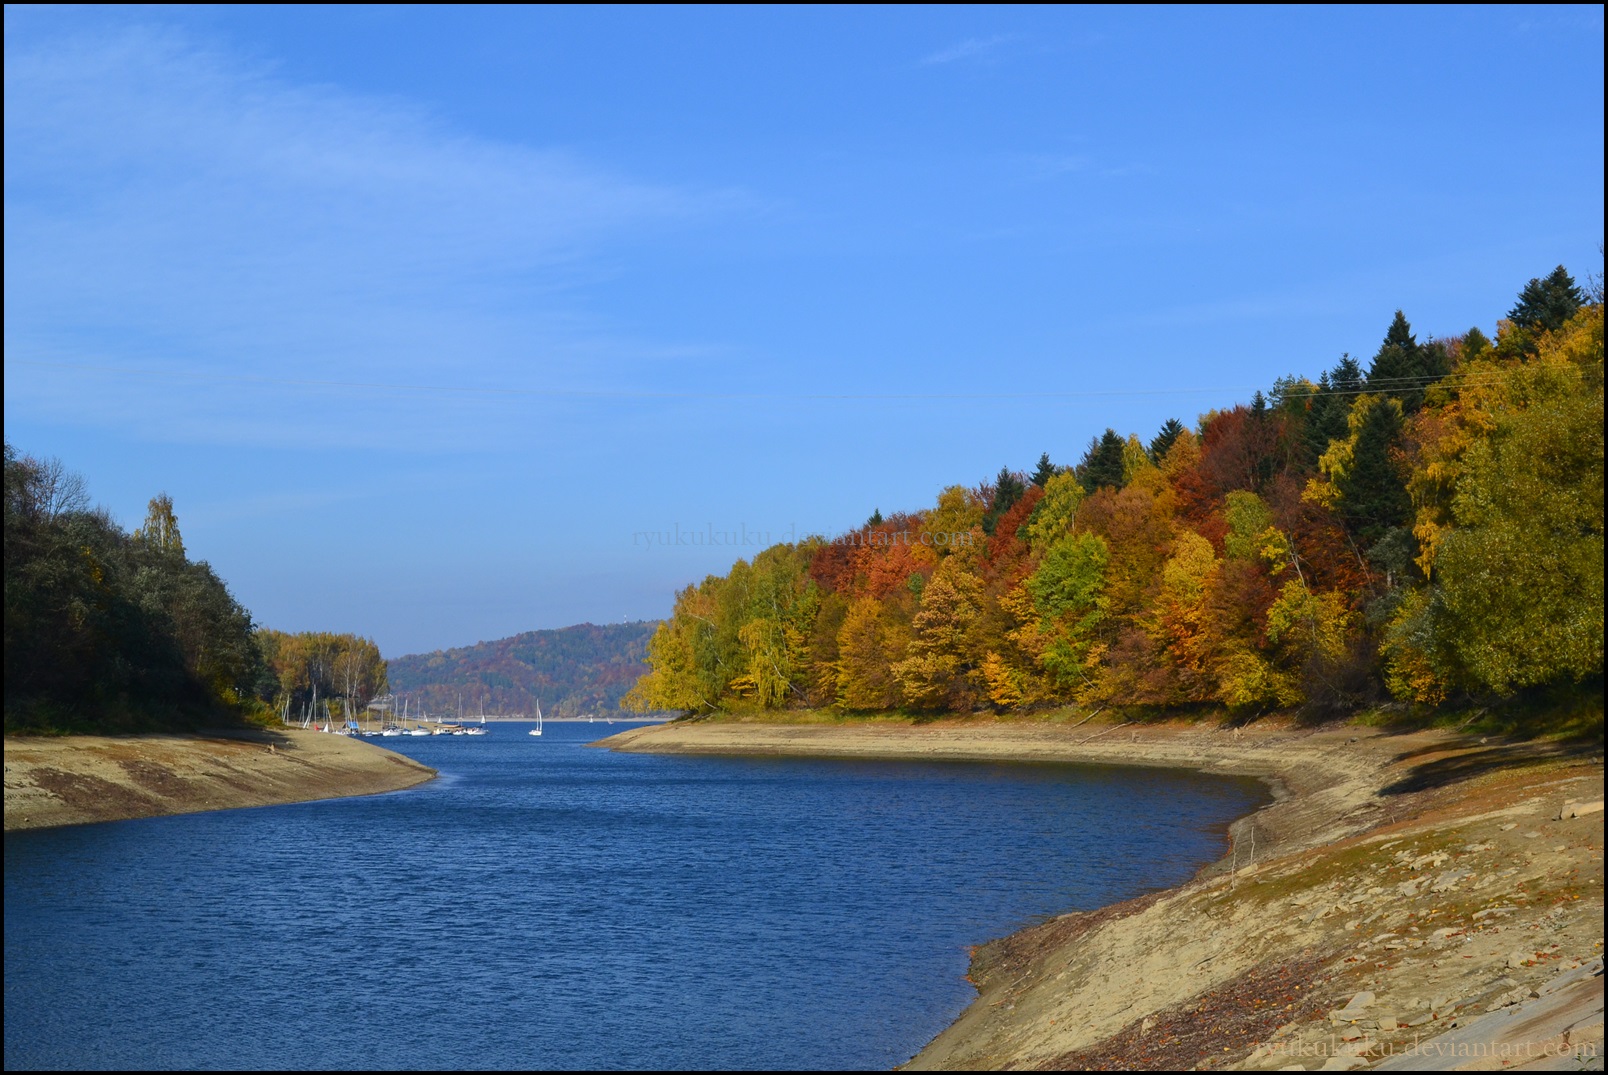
(77, 779)
(1411, 902)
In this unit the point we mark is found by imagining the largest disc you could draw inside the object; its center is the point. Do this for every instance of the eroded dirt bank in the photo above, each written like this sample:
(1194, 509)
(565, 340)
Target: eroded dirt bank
(1416, 901)
(76, 779)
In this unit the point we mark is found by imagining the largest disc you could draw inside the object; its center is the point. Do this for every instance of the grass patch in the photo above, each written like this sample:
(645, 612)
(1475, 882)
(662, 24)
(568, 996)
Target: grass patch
(1568, 711)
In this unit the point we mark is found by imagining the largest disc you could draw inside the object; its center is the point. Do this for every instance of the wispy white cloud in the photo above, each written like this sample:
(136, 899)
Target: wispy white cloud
(1051, 165)
(1122, 171)
(169, 206)
(973, 48)
(1582, 18)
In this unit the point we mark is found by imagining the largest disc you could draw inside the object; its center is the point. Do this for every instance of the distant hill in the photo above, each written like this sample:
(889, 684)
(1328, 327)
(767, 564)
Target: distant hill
(572, 670)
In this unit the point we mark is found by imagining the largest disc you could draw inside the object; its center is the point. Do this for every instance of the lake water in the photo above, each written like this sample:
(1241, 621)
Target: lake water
(549, 905)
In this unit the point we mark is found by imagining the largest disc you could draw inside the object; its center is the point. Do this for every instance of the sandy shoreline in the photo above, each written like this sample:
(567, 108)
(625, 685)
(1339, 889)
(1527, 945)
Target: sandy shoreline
(74, 780)
(1438, 880)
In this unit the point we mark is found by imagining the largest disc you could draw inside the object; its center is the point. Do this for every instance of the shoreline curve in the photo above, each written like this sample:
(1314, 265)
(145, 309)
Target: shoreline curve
(83, 779)
(1387, 907)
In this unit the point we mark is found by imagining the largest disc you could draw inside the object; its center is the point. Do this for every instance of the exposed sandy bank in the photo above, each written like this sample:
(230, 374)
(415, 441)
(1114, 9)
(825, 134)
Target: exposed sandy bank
(1438, 874)
(82, 778)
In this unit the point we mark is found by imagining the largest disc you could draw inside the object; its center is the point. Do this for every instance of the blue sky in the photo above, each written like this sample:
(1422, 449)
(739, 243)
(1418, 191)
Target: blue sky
(424, 317)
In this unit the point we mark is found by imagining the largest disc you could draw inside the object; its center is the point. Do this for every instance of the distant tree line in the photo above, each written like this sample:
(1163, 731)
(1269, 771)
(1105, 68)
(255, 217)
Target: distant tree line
(1429, 528)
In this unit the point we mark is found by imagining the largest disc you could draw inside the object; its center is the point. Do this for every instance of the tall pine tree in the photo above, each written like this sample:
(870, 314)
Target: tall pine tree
(1170, 430)
(1545, 304)
(1373, 490)
(1008, 489)
(1347, 376)
(1102, 463)
(1397, 360)
(1331, 404)
(1403, 368)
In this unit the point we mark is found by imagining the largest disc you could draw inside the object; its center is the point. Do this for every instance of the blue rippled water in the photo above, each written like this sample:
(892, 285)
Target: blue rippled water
(547, 905)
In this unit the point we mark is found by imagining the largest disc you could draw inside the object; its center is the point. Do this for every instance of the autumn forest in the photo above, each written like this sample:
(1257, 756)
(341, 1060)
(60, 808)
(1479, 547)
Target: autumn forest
(1424, 526)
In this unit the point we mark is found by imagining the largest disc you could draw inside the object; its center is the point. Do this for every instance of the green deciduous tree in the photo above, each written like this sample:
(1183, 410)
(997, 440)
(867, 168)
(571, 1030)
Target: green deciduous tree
(1068, 592)
(1249, 521)
(1521, 575)
(958, 512)
(1053, 515)
(1516, 595)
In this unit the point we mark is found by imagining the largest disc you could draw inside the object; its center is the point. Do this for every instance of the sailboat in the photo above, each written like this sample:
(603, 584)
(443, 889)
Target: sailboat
(538, 729)
(418, 729)
(481, 729)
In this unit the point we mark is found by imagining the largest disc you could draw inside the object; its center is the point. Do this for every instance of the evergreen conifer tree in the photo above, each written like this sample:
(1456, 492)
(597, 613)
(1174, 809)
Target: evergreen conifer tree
(1331, 405)
(1170, 430)
(1545, 304)
(1326, 420)
(1403, 368)
(1045, 470)
(1008, 489)
(1373, 492)
(1346, 377)
(1102, 463)
(1397, 359)
(1475, 344)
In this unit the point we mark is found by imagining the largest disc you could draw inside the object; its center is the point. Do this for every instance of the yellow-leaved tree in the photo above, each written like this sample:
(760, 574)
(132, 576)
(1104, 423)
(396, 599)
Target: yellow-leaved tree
(1516, 591)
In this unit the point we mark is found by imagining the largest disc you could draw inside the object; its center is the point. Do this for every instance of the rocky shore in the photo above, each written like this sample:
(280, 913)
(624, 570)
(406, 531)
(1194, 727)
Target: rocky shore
(1413, 901)
(72, 780)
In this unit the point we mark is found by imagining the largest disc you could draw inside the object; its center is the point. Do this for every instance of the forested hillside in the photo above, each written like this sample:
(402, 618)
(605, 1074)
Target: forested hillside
(1427, 527)
(110, 631)
(571, 671)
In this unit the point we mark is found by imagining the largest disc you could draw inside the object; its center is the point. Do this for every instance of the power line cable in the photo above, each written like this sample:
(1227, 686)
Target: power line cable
(1374, 386)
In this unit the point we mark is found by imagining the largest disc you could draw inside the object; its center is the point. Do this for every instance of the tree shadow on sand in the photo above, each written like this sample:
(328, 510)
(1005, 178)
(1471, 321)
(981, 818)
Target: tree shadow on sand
(1456, 763)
